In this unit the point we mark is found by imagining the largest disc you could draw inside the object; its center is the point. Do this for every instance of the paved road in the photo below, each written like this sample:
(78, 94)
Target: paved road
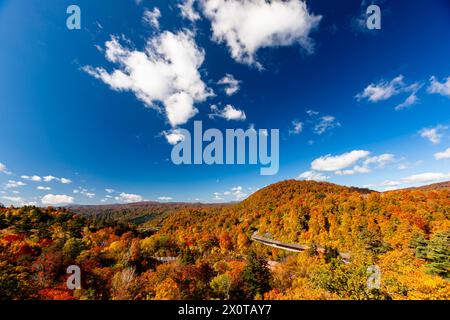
(292, 247)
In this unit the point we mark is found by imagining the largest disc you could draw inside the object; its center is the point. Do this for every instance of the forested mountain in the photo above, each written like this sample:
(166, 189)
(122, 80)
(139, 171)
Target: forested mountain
(434, 186)
(405, 234)
(137, 212)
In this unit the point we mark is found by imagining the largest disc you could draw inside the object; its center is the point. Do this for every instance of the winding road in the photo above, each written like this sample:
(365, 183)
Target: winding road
(292, 247)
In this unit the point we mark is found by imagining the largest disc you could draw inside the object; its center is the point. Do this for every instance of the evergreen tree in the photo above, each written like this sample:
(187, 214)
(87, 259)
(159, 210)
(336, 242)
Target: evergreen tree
(256, 275)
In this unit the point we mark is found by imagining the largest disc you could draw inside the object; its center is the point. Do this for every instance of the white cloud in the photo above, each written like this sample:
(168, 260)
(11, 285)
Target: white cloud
(312, 175)
(426, 177)
(382, 90)
(43, 188)
(32, 178)
(390, 183)
(335, 163)
(165, 72)
(320, 124)
(326, 123)
(65, 181)
(442, 88)
(237, 193)
(109, 190)
(381, 160)
(14, 184)
(297, 127)
(442, 155)
(228, 113)
(19, 201)
(56, 199)
(312, 113)
(84, 192)
(13, 199)
(434, 135)
(187, 10)
(128, 197)
(230, 83)
(3, 169)
(412, 98)
(354, 170)
(247, 26)
(165, 198)
(151, 17)
(50, 178)
(173, 136)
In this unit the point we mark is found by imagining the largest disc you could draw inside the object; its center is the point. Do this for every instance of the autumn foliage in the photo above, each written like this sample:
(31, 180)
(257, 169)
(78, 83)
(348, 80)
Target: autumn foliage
(206, 252)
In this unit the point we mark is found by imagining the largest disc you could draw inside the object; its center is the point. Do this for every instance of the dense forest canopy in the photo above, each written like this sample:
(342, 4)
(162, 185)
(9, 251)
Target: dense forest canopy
(183, 251)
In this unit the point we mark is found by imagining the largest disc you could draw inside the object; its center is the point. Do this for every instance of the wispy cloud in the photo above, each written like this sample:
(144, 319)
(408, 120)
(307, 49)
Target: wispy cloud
(442, 88)
(434, 134)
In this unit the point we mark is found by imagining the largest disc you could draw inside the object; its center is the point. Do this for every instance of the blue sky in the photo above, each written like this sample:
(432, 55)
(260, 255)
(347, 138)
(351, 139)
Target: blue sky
(354, 106)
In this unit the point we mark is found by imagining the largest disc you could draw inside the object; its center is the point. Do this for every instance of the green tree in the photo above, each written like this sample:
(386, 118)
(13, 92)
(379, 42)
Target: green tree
(438, 253)
(221, 286)
(256, 275)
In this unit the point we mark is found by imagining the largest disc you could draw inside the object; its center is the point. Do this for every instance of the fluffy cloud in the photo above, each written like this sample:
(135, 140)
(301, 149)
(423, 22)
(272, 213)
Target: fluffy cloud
(426, 177)
(442, 88)
(52, 178)
(166, 72)
(442, 155)
(129, 197)
(376, 161)
(247, 26)
(336, 163)
(13, 199)
(32, 178)
(230, 83)
(312, 175)
(151, 17)
(228, 113)
(14, 184)
(43, 188)
(56, 199)
(354, 170)
(19, 201)
(187, 10)
(434, 135)
(173, 136)
(380, 161)
(109, 190)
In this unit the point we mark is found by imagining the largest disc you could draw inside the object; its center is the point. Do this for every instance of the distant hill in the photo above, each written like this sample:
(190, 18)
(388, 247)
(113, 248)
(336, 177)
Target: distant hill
(155, 212)
(138, 212)
(435, 186)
